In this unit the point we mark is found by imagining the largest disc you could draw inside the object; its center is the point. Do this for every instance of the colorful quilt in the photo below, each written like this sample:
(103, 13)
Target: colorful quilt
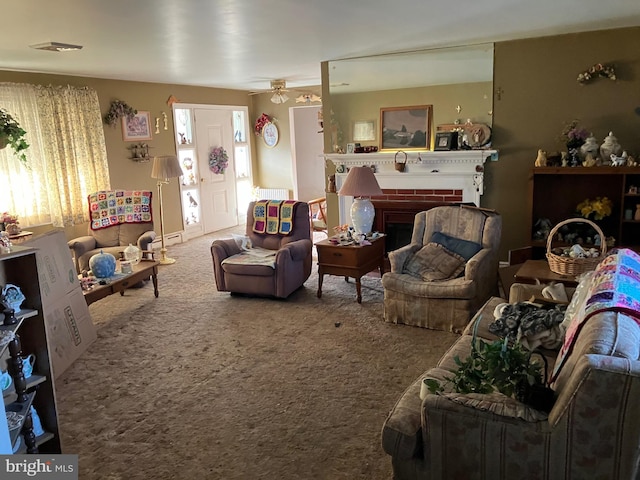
(615, 286)
(273, 216)
(114, 207)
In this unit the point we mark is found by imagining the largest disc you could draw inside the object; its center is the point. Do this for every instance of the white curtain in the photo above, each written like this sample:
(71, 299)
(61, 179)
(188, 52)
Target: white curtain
(67, 157)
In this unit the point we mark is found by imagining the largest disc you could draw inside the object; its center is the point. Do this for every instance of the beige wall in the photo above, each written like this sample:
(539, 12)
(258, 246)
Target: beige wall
(540, 94)
(152, 97)
(274, 164)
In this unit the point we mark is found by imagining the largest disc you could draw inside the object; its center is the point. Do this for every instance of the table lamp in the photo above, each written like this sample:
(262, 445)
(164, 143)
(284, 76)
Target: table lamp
(165, 167)
(361, 184)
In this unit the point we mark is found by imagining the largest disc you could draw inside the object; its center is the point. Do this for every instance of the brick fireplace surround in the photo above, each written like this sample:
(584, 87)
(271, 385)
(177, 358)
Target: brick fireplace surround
(430, 179)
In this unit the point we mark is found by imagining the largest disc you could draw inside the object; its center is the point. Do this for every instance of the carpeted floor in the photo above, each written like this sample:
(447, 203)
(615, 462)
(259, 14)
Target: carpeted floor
(197, 384)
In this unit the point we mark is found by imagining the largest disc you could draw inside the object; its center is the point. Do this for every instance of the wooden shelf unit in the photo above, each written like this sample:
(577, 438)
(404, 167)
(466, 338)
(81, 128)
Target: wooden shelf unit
(19, 267)
(555, 192)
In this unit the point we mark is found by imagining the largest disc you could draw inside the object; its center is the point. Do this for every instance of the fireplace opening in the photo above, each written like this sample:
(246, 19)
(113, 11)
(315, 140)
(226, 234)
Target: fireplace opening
(397, 235)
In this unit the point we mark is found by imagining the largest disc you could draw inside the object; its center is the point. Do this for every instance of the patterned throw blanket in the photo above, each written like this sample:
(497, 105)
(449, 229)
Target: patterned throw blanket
(615, 287)
(273, 216)
(114, 207)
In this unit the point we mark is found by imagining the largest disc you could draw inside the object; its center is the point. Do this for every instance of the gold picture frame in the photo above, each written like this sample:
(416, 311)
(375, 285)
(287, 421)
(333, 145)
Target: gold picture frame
(406, 128)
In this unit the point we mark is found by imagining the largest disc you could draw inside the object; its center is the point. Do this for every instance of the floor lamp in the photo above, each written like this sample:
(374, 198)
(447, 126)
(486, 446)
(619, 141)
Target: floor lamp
(164, 168)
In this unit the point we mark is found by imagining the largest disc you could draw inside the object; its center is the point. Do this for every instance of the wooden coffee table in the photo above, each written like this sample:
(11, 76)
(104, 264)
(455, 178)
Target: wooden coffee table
(534, 271)
(349, 261)
(141, 271)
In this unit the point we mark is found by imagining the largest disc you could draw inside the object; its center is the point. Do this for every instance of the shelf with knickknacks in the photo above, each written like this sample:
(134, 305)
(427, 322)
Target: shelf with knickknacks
(140, 152)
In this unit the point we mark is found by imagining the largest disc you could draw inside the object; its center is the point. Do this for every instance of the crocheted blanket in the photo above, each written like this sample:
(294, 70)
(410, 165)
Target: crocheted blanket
(274, 217)
(114, 207)
(615, 286)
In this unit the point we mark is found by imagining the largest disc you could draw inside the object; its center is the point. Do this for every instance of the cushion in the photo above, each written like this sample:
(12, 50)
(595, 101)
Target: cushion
(499, 404)
(465, 248)
(433, 262)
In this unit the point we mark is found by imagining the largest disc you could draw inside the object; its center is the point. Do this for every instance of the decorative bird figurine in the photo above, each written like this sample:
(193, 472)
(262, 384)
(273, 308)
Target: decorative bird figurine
(192, 201)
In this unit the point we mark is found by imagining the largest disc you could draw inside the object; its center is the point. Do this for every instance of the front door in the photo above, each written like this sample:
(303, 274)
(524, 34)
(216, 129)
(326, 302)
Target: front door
(214, 128)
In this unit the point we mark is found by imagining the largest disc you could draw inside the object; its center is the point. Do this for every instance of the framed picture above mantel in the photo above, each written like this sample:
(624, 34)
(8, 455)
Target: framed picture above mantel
(406, 128)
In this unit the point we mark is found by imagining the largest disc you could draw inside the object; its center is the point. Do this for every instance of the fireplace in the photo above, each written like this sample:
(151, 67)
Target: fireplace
(395, 219)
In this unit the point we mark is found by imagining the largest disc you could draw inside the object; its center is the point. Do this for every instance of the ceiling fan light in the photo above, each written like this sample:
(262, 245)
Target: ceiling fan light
(279, 98)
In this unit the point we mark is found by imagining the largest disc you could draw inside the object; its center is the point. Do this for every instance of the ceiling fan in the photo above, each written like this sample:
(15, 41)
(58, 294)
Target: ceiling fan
(278, 88)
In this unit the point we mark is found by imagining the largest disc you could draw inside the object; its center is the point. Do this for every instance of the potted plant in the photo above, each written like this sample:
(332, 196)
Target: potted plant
(502, 366)
(11, 133)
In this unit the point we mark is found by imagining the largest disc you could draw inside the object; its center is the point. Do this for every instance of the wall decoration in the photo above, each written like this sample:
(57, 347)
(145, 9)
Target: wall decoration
(137, 128)
(260, 123)
(218, 160)
(270, 135)
(598, 70)
(364, 131)
(406, 128)
(119, 109)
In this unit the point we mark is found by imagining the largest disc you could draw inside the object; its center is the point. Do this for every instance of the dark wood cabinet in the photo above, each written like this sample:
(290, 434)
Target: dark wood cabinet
(555, 193)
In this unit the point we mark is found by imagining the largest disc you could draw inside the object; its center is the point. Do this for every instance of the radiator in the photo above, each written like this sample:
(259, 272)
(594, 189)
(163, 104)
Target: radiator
(271, 193)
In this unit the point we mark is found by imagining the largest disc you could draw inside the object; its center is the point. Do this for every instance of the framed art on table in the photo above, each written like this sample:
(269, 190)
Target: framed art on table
(405, 128)
(137, 128)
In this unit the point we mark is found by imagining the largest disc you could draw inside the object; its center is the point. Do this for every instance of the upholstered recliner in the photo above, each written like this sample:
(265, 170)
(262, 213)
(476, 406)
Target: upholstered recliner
(444, 304)
(292, 261)
(120, 233)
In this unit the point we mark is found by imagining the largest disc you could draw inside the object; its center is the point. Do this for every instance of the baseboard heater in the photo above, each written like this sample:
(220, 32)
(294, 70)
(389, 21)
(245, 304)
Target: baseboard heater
(271, 193)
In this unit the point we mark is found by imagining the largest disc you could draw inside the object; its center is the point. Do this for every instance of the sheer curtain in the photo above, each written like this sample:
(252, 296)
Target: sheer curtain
(67, 157)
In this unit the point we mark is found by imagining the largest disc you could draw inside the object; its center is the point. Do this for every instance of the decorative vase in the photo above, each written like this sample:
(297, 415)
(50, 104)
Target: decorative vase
(102, 265)
(637, 215)
(609, 147)
(590, 146)
(132, 254)
(13, 228)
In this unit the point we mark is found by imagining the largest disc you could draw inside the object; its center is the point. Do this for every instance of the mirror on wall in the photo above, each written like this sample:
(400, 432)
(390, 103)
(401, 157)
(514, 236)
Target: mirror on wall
(457, 82)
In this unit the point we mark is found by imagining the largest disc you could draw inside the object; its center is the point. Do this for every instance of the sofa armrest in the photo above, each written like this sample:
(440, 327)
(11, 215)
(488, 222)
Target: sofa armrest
(478, 265)
(145, 240)
(397, 258)
(297, 250)
(81, 245)
(221, 249)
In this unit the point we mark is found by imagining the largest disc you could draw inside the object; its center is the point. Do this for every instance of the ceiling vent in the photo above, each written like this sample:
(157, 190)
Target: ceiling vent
(56, 47)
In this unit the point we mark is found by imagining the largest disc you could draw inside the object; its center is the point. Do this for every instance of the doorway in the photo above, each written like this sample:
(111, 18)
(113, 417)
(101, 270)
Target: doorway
(307, 148)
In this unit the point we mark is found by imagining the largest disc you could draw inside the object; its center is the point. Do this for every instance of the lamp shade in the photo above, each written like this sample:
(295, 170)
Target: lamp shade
(166, 167)
(360, 182)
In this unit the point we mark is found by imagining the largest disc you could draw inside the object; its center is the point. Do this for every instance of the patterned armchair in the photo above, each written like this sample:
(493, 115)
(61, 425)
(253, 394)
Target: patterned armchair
(290, 265)
(446, 304)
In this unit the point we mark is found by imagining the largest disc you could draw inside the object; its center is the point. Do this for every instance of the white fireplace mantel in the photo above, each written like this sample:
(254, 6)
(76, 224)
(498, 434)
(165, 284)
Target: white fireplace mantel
(438, 170)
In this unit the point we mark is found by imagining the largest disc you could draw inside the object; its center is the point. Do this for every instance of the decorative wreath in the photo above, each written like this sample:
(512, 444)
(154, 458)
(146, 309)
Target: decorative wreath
(598, 70)
(218, 160)
(260, 123)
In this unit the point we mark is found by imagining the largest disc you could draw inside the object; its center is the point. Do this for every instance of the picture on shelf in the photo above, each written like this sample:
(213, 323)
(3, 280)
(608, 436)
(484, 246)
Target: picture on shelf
(446, 141)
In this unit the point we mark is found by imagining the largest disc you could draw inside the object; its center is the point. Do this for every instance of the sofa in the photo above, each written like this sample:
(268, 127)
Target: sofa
(111, 240)
(592, 431)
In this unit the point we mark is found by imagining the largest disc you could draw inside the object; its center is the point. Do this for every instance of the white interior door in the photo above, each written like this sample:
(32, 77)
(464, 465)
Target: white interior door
(306, 149)
(214, 128)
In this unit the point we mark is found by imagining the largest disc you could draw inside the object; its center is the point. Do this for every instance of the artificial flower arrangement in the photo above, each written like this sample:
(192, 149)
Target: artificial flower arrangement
(574, 136)
(598, 70)
(600, 207)
(8, 218)
(218, 160)
(118, 110)
(260, 123)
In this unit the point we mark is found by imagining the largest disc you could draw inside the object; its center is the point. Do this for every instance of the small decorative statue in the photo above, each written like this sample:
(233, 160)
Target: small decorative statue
(618, 161)
(589, 161)
(541, 160)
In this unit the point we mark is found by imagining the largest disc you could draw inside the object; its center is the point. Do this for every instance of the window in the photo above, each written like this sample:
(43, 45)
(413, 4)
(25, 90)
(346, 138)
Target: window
(242, 159)
(67, 157)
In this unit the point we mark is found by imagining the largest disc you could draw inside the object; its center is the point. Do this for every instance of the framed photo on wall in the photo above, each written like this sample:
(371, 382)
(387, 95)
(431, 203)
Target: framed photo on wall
(137, 128)
(405, 128)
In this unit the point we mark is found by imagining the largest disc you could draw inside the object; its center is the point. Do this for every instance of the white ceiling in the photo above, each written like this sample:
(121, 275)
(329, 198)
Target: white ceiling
(243, 44)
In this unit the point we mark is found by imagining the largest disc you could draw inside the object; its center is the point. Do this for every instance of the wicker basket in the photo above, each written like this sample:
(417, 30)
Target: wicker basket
(574, 266)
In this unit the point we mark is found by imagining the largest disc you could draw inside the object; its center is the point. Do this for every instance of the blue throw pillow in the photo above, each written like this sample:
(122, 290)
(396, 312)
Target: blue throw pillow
(465, 248)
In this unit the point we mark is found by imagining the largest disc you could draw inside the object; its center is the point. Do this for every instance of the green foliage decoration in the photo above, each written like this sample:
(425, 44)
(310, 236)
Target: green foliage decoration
(118, 110)
(11, 133)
